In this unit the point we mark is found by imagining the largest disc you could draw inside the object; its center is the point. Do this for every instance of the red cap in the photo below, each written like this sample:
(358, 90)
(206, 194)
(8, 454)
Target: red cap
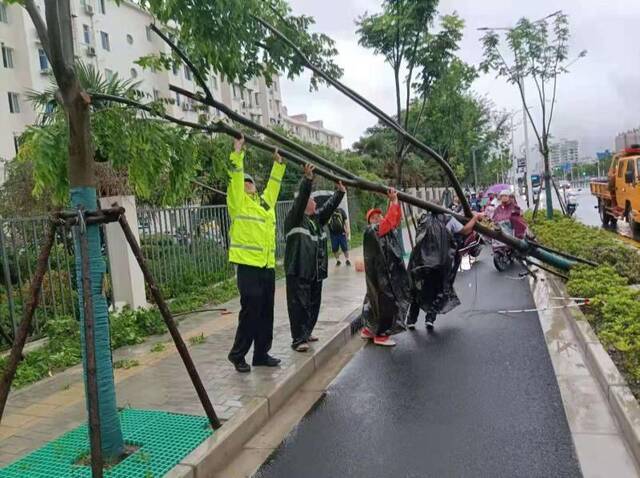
(373, 211)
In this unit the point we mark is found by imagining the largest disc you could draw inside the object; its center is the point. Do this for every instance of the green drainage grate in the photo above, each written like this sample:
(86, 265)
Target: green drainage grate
(164, 439)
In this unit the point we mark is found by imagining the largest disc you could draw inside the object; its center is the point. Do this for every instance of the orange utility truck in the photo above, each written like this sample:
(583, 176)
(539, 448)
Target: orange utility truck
(619, 195)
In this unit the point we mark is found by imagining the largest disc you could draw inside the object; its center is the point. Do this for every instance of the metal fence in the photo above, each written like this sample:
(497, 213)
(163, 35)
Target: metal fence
(20, 242)
(185, 246)
(188, 245)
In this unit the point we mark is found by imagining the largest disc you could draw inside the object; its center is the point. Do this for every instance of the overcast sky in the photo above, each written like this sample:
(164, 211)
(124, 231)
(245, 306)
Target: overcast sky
(596, 100)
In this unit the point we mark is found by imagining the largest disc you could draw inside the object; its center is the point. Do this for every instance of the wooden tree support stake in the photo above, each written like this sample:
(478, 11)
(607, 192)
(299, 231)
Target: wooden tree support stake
(171, 325)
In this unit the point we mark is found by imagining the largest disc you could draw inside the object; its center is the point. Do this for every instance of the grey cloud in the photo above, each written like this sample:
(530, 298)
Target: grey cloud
(597, 100)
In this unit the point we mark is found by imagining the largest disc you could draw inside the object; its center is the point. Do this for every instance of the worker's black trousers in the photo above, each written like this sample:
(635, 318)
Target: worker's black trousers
(255, 323)
(303, 305)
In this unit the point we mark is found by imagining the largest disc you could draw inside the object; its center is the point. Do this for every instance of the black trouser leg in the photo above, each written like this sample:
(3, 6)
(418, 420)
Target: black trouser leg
(297, 298)
(414, 311)
(315, 298)
(250, 287)
(264, 328)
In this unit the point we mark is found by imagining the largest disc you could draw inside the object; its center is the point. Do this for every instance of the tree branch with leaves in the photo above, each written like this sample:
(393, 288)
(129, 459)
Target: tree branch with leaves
(539, 54)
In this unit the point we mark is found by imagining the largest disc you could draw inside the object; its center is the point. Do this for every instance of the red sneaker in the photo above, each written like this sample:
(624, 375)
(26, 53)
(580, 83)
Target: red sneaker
(366, 334)
(384, 341)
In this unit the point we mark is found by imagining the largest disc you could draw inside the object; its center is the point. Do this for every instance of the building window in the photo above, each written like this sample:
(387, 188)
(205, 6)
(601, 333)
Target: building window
(257, 102)
(102, 5)
(3, 13)
(187, 73)
(134, 73)
(7, 57)
(86, 34)
(214, 81)
(175, 69)
(108, 74)
(14, 104)
(156, 95)
(270, 104)
(104, 38)
(177, 99)
(148, 31)
(16, 142)
(42, 60)
(129, 39)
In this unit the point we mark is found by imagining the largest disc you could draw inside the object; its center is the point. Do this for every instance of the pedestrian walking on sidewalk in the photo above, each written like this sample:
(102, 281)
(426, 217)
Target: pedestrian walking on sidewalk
(252, 249)
(387, 300)
(340, 234)
(306, 258)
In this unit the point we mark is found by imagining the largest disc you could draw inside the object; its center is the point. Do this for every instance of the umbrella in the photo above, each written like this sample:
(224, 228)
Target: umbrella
(496, 188)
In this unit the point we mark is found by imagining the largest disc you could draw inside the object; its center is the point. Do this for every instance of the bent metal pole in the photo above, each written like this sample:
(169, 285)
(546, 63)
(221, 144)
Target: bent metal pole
(373, 109)
(355, 182)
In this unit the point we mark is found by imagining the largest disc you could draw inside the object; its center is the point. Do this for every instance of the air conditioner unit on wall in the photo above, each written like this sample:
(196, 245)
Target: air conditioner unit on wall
(91, 51)
(88, 9)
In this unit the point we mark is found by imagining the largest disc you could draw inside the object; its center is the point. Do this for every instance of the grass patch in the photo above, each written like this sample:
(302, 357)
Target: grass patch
(126, 363)
(159, 347)
(198, 339)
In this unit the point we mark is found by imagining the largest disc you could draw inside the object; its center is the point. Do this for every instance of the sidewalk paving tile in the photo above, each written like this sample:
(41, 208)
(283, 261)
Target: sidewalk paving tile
(160, 382)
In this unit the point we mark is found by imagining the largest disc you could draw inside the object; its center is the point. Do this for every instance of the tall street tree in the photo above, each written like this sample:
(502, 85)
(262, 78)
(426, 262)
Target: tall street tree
(537, 52)
(224, 37)
(403, 32)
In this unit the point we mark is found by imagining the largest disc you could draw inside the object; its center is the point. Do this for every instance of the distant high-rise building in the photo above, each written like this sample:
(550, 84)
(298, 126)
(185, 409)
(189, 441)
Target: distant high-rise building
(627, 139)
(564, 152)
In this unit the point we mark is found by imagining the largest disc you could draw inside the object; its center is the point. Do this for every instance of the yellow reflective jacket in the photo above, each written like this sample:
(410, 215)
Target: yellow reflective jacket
(253, 217)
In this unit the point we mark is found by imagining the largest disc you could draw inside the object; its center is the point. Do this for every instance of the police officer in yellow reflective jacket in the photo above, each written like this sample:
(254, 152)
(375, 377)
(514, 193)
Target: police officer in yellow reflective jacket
(252, 248)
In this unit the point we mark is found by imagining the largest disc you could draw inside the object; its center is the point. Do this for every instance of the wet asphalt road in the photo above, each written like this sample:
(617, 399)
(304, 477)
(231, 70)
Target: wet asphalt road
(476, 398)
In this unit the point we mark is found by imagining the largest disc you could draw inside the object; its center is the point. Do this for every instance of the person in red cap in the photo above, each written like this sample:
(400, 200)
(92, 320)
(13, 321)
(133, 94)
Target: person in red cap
(387, 300)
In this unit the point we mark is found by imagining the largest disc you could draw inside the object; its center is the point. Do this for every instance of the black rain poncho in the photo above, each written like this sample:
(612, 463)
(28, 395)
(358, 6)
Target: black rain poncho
(388, 287)
(431, 266)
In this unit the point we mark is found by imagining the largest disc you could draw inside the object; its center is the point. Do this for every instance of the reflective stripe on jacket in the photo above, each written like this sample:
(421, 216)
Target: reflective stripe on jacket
(253, 218)
(305, 255)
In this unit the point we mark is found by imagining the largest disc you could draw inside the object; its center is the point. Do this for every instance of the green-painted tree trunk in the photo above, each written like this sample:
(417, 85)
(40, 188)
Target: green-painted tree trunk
(110, 430)
(548, 195)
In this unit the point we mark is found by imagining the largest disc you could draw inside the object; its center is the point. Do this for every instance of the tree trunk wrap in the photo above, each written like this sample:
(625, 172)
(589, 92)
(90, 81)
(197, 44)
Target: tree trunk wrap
(111, 432)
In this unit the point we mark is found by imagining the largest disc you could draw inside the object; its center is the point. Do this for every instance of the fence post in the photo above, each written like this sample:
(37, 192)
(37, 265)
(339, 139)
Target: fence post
(7, 280)
(126, 277)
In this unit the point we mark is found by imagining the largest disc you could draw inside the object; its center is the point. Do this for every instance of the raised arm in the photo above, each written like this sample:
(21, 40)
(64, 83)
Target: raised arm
(296, 213)
(235, 189)
(393, 217)
(327, 209)
(271, 192)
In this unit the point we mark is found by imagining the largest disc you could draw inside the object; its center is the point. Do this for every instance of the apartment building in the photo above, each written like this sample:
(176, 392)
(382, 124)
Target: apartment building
(627, 139)
(563, 152)
(111, 37)
(312, 131)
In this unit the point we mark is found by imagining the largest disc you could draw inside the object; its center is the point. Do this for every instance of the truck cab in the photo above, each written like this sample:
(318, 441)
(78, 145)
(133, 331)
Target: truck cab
(619, 196)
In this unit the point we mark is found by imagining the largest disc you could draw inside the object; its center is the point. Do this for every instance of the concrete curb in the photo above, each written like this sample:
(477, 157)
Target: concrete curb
(621, 401)
(213, 454)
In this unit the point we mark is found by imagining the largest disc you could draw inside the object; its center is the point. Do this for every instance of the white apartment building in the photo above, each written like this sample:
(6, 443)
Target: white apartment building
(312, 131)
(627, 139)
(564, 152)
(112, 37)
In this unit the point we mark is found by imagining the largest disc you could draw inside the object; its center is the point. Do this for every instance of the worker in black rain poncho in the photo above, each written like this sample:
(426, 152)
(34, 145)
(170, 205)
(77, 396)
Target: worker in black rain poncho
(433, 265)
(388, 292)
(306, 259)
